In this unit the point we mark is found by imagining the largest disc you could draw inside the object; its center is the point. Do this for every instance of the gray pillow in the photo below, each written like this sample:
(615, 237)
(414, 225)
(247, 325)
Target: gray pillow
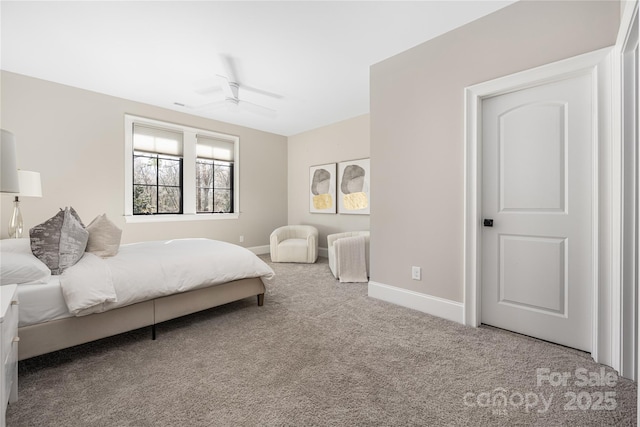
(60, 241)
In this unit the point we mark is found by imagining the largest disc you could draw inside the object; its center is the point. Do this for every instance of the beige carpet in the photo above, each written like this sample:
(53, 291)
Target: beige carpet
(319, 352)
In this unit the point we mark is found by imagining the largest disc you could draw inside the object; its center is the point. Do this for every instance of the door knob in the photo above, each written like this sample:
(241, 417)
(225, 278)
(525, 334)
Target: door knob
(488, 223)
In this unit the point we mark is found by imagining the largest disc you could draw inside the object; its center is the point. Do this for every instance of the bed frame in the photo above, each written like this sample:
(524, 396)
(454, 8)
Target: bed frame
(55, 335)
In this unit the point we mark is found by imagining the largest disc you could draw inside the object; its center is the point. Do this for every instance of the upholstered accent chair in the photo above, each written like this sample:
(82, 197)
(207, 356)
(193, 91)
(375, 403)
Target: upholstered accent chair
(294, 243)
(331, 249)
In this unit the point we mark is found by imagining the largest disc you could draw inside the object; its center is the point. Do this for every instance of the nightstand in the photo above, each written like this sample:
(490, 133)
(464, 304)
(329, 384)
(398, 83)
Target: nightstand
(8, 348)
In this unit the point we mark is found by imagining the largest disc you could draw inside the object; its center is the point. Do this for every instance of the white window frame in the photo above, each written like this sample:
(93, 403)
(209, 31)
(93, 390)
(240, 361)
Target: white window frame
(188, 173)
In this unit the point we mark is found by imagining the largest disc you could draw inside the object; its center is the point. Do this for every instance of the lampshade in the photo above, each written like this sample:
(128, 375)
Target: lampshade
(8, 163)
(30, 184)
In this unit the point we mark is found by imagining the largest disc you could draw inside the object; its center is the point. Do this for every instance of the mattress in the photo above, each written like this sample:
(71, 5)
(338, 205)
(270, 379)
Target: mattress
(153, 269)
(41, 303)
(139, 272)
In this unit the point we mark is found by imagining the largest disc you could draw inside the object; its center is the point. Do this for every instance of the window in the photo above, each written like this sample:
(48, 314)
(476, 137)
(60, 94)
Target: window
(214, 175)
(157, 184)
(175, 172)
(157, 171)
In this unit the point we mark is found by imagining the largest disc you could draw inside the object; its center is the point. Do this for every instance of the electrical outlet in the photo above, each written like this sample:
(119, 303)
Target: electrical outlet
(416, 273)
(241, 239)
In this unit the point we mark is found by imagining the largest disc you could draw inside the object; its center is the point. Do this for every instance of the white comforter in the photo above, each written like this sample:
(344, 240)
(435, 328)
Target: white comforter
(147, 270)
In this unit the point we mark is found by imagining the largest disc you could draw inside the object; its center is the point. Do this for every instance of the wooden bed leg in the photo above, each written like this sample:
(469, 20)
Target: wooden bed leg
(153, 332)
(260, 300)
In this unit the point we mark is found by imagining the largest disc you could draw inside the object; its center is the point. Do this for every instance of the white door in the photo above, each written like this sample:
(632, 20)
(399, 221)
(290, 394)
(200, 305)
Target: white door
(537, 163)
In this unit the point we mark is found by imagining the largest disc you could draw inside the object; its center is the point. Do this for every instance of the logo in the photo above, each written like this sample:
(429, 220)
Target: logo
(588, 397)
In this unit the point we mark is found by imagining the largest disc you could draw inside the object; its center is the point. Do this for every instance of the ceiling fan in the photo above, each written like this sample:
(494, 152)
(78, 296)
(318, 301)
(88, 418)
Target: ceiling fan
(231, 88)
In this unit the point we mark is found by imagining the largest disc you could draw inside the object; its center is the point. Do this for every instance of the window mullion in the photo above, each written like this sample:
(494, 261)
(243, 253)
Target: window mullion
(229, 184)
(157, 184)
(189, 173)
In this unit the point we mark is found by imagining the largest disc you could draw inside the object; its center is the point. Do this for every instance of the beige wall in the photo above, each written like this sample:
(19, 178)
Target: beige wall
(346, 140)
(417, 124)
(75, 139)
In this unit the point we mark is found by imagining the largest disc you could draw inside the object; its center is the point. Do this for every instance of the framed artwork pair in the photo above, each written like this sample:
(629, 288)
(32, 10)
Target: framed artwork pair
(343, 187)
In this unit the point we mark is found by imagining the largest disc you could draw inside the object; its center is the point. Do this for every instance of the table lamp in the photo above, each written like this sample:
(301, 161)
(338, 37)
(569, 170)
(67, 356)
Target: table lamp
(30, 186)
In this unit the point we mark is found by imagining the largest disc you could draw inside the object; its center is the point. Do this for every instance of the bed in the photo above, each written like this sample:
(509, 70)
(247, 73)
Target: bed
(142, 285)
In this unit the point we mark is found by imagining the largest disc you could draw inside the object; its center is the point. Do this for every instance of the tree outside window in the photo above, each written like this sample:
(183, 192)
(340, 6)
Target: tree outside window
(157, 184)
(214, 182)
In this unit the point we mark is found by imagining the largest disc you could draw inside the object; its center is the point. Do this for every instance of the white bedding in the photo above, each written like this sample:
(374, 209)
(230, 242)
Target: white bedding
(147, 270)
(41, 302)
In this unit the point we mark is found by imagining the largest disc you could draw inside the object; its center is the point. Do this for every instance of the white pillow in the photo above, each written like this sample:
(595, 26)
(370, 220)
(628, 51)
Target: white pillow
(20, 268)
(22, 245)
(104, 237)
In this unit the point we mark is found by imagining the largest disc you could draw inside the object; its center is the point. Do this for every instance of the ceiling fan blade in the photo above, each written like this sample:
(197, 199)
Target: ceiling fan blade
(208, 106)
(215, 105)
(257, 109)
(229, 67)
(261, 92)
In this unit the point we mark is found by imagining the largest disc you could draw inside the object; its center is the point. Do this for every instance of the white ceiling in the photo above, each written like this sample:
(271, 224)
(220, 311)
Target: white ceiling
(314, 55)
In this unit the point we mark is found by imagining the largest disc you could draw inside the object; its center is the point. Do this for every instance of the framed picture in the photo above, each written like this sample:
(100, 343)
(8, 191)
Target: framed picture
(354, 193)
(322, 188)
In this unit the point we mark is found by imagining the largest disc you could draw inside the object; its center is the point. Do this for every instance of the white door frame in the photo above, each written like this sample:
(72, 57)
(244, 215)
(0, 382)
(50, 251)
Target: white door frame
(624, 80)
(598, 65)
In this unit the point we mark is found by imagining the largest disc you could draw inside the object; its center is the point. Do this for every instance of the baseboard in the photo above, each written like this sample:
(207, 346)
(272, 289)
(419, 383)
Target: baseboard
(260, 250)
(266, 249)
(440, 307)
